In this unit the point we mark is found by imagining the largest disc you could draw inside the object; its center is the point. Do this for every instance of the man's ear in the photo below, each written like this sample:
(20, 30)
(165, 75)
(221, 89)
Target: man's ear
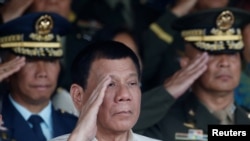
(184, 61)
(77, 93)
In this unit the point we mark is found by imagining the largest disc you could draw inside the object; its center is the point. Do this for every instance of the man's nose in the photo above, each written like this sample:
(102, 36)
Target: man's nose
(123, 94)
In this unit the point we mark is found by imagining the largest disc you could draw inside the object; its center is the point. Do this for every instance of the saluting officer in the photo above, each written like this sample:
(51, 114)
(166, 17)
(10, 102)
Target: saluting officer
(216, 35)
(28, 113)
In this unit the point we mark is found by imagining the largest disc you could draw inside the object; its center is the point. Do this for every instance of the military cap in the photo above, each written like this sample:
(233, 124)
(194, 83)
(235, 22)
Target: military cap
(36, 35)
(214, 30)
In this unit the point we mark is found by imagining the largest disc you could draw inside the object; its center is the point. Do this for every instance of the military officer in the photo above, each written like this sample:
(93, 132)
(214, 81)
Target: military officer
(216, 32)
(28, 113)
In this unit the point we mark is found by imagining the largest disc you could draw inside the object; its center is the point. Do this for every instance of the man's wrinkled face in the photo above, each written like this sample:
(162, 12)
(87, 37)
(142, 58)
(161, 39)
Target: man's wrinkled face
(121, 105)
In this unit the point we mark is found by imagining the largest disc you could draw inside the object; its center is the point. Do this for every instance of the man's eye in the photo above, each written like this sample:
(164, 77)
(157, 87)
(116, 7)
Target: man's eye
(133, 84)
(111, 85)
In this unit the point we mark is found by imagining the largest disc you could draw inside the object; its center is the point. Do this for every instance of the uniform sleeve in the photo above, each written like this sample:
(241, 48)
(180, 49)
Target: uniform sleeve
(154, 105)
(159, 43)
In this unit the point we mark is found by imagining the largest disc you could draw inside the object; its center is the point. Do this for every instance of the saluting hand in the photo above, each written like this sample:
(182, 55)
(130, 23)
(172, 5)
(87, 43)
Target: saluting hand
(86, 127)
(10, 67)
(185, 77)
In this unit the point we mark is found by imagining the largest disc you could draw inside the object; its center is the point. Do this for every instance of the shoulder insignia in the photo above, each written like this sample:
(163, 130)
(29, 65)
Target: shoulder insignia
(189, 125)
(248, 115)
(4, 136)
(64, 112)
(191, 112)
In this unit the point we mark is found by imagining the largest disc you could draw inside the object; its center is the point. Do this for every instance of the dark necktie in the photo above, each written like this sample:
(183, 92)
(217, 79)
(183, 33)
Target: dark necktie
(35, 120)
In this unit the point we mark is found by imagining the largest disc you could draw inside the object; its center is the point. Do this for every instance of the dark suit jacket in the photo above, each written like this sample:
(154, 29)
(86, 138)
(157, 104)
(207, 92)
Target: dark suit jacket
(189, 113)
(19, 129)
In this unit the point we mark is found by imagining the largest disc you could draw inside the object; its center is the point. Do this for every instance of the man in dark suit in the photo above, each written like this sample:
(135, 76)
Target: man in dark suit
(216, 35)
(28, 113)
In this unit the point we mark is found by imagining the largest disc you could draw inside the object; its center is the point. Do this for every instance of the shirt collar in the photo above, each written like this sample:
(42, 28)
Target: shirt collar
(45, 113)
(131, 136)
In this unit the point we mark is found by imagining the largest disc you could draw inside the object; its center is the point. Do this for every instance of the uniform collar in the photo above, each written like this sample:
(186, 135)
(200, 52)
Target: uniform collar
(25, 113)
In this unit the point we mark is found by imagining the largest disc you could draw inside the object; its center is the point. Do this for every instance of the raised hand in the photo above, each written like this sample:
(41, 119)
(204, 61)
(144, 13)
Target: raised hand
(10, 67)
(86, 127)
(185, 77)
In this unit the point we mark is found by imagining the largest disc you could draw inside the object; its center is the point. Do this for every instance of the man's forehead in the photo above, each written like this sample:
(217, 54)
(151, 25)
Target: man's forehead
(114, 67)
(120, 61)
(128, 75)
